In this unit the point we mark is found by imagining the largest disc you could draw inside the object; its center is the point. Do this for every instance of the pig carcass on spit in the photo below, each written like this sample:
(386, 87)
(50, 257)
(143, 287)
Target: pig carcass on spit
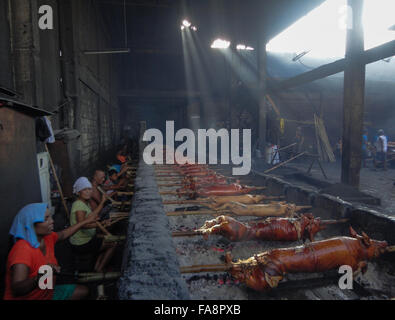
(275, 229)
(224, 190)
(217, 201)
(279, 209)
(265, 270)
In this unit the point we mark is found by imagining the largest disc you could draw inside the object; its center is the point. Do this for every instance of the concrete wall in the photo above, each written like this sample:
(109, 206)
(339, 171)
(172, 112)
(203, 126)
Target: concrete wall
(19, 183)
(48, 68)
(6, 79)
(89, 82)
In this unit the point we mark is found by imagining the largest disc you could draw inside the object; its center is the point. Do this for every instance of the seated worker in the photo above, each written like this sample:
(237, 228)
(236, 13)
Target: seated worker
(86, 240)
(35, 240)
(96, 197)
(365, 147)
(115, 181)
(122, 155)
(120, 169)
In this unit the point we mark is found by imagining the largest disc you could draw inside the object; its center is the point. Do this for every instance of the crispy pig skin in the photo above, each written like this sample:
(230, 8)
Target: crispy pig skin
(274, 229)
(265, 270)
(223, 190)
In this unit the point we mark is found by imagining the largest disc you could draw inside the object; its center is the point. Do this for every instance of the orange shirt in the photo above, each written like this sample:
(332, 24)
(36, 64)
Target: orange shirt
(23, 253)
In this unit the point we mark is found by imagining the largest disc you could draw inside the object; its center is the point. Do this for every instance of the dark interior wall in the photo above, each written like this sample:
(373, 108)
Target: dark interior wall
(96, 104)
(6, 79)
(50, 72)
(19, 183)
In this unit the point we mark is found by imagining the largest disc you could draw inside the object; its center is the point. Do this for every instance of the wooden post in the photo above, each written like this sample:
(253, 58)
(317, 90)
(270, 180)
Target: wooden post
(354, 94)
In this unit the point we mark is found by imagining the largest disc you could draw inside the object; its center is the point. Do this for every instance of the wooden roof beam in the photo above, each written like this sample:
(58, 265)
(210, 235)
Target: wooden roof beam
(386, 50)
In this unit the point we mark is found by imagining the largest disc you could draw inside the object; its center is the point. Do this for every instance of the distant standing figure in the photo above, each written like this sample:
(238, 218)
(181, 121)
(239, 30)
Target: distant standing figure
(338, 149)
(365, 145)
(299, 139)
(382, 146)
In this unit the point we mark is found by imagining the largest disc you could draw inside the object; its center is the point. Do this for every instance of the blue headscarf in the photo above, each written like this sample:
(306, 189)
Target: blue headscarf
(23, 225)
(116, 167)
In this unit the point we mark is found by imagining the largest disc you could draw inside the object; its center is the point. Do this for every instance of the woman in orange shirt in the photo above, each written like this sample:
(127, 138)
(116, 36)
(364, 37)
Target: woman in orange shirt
(32, 230)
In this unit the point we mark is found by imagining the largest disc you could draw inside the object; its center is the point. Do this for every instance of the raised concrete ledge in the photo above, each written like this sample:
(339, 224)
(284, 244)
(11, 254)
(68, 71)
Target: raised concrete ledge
(150, 269)
(376, 225)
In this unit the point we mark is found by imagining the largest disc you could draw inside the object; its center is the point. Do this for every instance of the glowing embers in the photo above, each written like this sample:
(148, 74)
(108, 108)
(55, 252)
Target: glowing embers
(220, 44)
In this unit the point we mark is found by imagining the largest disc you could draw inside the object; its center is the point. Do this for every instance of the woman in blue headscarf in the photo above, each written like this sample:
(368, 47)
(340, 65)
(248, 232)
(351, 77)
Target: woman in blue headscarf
(34, 247)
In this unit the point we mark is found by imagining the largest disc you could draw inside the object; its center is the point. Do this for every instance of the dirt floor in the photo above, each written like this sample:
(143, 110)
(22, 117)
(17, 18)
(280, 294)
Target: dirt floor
(375, 182)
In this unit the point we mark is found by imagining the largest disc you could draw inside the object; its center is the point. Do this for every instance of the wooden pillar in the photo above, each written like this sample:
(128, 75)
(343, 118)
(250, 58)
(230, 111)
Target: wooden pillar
(22, 49)
(354, 95)
(262, 121)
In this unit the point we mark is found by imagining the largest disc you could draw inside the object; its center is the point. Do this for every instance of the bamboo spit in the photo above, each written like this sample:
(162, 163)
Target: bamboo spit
(170, 176)
(113, 202)
(285, 162)
(186, 202)
(171, 185)
(116, 220)
(206, 268)
(202, 202)
(119, 214)
(168, 180)
(112, 238)
(197, 232)
(191, 192)
(105, 231)
(123, 193)
(101, 276)
(219, 212)
(221, 267)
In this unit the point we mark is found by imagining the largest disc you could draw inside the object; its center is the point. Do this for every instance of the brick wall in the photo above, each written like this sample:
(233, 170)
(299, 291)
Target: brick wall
(97, 111)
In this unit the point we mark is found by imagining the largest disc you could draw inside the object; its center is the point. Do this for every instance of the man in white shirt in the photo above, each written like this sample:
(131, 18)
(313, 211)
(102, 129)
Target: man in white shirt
(382, 146)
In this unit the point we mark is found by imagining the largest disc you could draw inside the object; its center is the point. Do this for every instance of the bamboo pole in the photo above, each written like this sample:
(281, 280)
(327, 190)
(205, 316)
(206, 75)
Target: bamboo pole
(103, 229)
(186, 233)
(198, 232)
(218, 212)
(202, 202)
(186, 202)
(57, 182)
(114, 203)
(195, 213)
(123, 193)
(175, 192)
(285, 162)
(105, 194)
(116, 220)
(112, 238)
(329, 222)
(206, 268)
(171, 185)
(119, 214)
(169, 180)
(100, 276)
